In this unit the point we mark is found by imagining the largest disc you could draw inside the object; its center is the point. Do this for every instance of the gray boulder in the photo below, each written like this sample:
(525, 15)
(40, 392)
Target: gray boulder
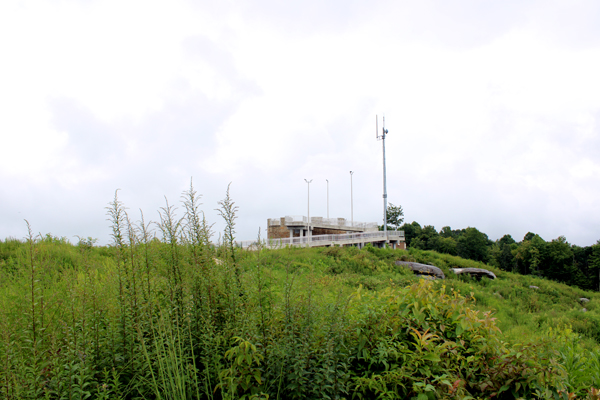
(423, 269)
(475, 272)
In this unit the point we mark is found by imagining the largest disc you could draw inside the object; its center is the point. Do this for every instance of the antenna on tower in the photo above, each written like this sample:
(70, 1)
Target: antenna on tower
(383, 130)
(382, 138)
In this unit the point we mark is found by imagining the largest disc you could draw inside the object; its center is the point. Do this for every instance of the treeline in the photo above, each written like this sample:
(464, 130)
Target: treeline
(557, 259)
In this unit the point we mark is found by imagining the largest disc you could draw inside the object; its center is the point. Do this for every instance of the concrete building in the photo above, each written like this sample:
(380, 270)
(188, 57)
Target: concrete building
(298, 226)
(297, 231)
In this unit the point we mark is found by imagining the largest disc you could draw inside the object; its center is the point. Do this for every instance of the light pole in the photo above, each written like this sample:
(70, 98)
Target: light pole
(351, 200)
(308, 217)
(327, 198)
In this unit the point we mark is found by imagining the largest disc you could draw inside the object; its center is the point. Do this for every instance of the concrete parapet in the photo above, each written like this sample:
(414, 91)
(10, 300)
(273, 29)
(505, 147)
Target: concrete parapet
(320, 225)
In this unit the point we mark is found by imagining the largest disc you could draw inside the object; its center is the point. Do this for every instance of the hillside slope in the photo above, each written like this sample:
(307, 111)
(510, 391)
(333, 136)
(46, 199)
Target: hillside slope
(182, 319)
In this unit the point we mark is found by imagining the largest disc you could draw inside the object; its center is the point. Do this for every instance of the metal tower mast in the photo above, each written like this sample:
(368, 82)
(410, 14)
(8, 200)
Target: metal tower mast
(382, 138)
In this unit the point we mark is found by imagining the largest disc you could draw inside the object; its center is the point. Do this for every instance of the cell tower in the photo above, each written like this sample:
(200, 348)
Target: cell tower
(382, 138)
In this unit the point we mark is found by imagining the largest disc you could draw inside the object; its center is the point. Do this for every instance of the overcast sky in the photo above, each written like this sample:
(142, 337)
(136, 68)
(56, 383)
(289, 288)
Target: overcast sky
(493, 112)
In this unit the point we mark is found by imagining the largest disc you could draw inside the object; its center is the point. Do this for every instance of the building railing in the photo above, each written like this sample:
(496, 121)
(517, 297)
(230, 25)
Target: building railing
(293, 219)
(318, 221)
(318, 239)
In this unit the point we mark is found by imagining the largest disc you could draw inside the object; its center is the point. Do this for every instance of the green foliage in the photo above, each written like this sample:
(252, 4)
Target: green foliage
(242, 380)
(506, 258)
(228, 211)
(178, 318)
(594, 261)
(411, 231)
(557, 260)
(428, 342)
(395, 215)
(473, 245)
(582, 366)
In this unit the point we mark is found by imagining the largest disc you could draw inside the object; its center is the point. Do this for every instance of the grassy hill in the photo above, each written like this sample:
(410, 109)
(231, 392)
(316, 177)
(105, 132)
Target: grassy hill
(522, 311)
(180, 319)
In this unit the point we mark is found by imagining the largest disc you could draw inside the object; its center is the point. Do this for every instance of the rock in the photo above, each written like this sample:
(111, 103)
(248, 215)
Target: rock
(475, 272)
(584, 309)
(584, 300)
(423, 269)
(533, 287)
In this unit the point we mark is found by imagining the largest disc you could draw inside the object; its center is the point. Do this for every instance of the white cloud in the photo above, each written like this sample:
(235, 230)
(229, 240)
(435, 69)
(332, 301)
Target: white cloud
(492, 110)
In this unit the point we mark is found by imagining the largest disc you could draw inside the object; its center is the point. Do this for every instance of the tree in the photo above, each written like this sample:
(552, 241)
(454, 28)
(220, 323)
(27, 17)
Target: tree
(429, 237)
(418, 243)
(425, 239)
(594, 261)
(507, 239)
(581, 261)
(445, 245)
(529, 236)
(473, 245)
(395, 215)
(535, 261)
(411, 231)
(448, 232)
(530, 253)
(559, 261)
(503, 255)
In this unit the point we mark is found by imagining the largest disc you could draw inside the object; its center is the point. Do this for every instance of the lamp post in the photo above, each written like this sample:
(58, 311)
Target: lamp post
(351, 200)
(327, 198)
(308, 217)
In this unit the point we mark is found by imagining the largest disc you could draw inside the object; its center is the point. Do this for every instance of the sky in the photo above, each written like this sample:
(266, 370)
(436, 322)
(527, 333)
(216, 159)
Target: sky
(492, 109)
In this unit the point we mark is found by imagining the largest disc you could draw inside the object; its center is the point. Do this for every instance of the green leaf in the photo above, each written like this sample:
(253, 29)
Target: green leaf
(432, 357)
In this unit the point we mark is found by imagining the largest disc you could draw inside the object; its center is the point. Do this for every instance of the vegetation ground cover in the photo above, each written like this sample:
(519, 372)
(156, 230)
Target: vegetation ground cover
(175, 317)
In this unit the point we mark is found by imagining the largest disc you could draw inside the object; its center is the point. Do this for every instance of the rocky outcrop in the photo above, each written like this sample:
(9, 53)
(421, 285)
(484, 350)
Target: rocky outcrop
(437, 273)
(423, 269)
(475, 272)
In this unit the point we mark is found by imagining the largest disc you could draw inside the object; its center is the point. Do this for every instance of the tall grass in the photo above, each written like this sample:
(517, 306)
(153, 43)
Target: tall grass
(175, 317)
